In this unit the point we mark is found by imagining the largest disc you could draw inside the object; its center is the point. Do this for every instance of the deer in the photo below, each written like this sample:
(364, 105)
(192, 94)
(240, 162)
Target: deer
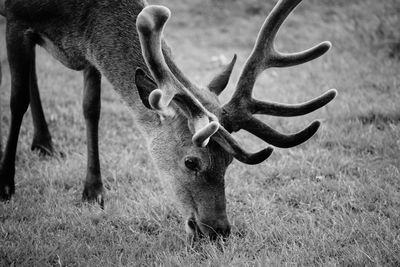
(187, 130)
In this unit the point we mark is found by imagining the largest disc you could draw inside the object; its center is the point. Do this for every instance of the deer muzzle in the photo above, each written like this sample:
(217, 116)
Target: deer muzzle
(209, 228)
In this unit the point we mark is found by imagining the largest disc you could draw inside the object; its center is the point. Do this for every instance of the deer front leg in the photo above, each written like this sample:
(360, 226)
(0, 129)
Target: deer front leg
(93, 190)
(41, 136)
(20, 53)
(1, 143)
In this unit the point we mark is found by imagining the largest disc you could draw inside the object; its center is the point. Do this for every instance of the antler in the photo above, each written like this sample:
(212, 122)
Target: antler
(150, 24)
(238, 112)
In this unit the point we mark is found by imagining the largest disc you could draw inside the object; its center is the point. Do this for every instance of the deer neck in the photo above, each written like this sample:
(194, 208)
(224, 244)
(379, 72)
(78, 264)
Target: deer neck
(117, 57)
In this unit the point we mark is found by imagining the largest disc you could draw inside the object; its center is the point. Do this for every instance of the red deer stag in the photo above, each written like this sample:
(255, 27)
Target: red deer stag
(188, 131)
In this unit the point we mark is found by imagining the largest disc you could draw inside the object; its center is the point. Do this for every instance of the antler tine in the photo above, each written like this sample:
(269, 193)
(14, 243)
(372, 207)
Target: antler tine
(292, 59)
(278, 139)
(150, 24)
(288, 110)
(227, 142)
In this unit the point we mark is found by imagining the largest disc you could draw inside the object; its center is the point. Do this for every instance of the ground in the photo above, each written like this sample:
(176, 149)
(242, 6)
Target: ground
(332, 201)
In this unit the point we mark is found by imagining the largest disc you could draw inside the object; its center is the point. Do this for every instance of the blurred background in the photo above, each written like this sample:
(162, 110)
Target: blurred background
(332, 201)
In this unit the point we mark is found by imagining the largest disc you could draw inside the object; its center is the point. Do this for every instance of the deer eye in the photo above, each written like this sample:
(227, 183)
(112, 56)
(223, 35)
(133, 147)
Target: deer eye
(193, 163)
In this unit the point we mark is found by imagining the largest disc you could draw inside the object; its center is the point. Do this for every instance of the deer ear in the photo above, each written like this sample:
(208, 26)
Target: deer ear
(218, 84)
(145, 86)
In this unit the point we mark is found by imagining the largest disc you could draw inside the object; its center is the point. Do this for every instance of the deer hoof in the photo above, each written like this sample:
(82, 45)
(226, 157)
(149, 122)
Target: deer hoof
(94, 194)
(47, 150)
(6, 191)
(7, 185)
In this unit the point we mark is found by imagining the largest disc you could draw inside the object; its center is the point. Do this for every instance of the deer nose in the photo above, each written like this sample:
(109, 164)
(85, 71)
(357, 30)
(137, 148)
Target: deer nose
(224, 231)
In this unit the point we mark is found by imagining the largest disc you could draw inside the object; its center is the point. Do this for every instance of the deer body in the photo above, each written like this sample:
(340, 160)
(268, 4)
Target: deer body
(182, 123)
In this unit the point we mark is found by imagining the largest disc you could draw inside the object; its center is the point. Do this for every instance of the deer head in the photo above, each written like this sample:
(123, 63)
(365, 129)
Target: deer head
(192, 144)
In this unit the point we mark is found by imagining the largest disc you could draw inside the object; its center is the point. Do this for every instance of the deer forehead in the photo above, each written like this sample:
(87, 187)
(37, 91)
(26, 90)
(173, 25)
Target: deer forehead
(172, 143)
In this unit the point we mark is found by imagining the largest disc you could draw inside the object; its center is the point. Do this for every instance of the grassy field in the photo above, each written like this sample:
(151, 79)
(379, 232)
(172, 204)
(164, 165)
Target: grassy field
(332, 201)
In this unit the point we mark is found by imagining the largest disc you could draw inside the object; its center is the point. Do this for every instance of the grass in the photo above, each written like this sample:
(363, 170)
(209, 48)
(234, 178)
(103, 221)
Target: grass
(332, 201)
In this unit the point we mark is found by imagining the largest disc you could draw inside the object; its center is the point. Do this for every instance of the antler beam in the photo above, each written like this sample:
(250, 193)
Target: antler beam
(150, 24)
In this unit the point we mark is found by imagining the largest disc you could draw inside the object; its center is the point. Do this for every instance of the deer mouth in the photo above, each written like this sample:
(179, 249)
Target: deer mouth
(197, 230)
